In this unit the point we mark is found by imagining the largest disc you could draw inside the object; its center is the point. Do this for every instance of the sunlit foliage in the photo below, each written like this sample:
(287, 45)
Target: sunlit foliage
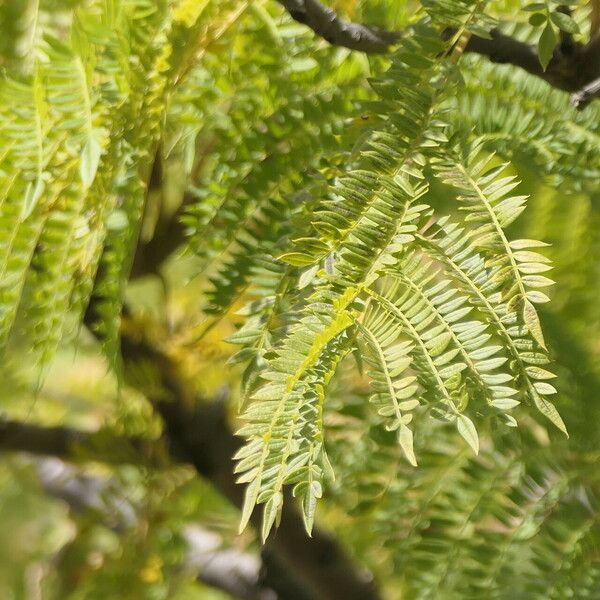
(374, 233)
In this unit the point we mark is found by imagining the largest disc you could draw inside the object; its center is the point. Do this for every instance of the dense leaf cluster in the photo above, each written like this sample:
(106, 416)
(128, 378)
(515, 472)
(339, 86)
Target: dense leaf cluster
(359, 217)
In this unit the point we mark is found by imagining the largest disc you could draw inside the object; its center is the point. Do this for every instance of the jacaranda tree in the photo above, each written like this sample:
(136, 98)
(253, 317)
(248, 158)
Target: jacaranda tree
(308, 249)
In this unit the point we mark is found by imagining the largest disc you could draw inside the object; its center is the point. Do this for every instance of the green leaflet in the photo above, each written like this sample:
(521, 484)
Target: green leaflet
(467, 430)
(393, 395)
(333, 237)
(90, 159)
(72, 145)
(452, 246)
(485, 195)
(462, 324)
(546, 44)
(287, 441)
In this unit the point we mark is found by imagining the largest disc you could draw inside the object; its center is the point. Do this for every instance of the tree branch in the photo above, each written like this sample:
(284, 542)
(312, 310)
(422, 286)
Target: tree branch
(326, 24)
(595, 16)
(588, 93)
(168, 235)
(573, 68)
(73, 444)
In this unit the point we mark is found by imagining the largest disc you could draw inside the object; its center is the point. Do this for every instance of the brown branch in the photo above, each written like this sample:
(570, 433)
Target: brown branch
(151, 255)
(573, 66)
(74, 444)
(503, 49)
(326, 24)
(583, 97)
(168, 235)
(170, 232)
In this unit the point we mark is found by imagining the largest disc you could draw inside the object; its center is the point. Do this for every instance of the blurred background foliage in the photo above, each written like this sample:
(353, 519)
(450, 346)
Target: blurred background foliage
(261, 116)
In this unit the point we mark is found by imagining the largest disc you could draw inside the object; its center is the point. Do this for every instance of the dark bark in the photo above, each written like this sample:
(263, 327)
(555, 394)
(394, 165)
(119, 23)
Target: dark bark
(326, 24)
(73, 444)
(574, 68)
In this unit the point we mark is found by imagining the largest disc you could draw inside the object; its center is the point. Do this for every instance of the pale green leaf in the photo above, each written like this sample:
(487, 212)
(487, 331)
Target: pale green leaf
(405, 438)
(467, 430)
(90, 159)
